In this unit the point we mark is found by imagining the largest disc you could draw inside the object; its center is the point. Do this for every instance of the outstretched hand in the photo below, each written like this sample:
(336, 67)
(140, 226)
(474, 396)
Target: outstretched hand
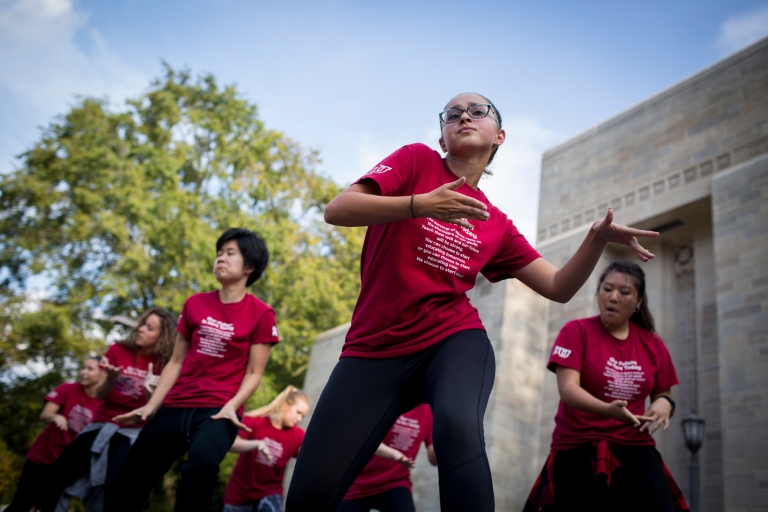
(228, 413)
(658, 413)
(616, 233)
(139, 415)
(446, 205)
(113, 372)
(618, 410)
(151, 380)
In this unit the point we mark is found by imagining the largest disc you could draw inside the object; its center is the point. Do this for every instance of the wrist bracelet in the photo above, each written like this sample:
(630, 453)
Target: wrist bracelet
(113, 382)
(672, 402)
(413, 215)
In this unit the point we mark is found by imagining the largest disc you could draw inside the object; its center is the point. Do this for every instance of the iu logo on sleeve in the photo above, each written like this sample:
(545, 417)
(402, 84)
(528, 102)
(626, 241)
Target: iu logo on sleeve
(562, 352)
(274, 331)
(379, 169)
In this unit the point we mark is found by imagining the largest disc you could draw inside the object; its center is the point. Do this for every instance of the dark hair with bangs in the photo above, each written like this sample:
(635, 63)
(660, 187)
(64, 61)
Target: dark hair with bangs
(496, 114)
(252, 247)
(642, 317)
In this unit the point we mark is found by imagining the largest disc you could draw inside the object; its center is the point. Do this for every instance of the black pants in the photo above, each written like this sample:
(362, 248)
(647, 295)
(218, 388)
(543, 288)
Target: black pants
(33, 476)
(398, 499)
(364, 397)
(165, 438)
(638, 484)
(75, 463)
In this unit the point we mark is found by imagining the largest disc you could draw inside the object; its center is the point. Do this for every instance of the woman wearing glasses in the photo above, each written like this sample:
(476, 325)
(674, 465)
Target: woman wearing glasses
(414, 337)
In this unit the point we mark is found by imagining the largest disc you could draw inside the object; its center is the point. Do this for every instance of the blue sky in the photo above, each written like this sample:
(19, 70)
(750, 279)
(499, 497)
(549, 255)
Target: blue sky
(356, 80)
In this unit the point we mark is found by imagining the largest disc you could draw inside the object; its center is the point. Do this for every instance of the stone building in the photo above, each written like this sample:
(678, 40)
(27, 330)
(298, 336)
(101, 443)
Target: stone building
(692, 163)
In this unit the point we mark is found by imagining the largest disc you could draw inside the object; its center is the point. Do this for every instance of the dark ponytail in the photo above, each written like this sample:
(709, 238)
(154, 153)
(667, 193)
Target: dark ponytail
(642, 317)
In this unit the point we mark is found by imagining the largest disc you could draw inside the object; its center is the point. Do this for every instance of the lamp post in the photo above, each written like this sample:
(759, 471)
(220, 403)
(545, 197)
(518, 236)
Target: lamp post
(693, 431)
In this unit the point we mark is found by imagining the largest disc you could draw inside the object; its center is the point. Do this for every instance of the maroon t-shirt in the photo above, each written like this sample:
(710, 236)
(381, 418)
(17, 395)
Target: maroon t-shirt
(255, 476)
(611, 369)
(220, 338)
(415, 272)
(79, 409)
(406, 436)
(127, 393)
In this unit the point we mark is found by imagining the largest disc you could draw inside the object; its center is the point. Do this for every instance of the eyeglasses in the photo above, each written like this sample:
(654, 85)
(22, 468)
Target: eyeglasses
(478, 111)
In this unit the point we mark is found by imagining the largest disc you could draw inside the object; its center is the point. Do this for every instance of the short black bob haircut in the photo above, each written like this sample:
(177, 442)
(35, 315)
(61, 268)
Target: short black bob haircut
(252, 247)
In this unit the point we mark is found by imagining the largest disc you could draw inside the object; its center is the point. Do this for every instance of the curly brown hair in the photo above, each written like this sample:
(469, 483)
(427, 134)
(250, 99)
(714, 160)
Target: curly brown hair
(164, 346)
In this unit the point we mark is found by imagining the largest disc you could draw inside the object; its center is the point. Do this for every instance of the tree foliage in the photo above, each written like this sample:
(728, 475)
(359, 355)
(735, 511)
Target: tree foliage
(120, 210)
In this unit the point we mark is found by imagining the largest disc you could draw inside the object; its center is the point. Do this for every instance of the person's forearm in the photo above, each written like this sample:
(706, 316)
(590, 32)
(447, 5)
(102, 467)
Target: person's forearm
(581, 399)
(249, 384)
(168, 378)
(103, 389)
(48, 416)
(386, 452)
(572, 276)
(359, 209)
(244, 445)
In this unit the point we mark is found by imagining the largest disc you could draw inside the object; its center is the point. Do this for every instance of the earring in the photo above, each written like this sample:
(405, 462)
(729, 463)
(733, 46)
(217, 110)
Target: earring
(637, 309)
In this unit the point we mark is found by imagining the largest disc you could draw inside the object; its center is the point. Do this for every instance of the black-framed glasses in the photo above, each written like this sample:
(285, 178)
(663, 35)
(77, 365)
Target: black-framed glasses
(477, 111)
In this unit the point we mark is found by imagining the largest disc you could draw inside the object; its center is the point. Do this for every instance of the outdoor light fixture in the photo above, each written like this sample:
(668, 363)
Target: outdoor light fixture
(693, 431)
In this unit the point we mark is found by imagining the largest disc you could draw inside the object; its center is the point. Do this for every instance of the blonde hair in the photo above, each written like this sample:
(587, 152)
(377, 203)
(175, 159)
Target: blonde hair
(274, 409)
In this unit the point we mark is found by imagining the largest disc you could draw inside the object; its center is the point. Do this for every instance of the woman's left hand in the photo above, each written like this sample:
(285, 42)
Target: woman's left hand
(616, 233)
(658, 413)
(228, 413)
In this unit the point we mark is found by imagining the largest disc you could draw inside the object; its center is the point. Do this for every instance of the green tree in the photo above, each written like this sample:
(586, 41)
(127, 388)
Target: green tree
(119, 210)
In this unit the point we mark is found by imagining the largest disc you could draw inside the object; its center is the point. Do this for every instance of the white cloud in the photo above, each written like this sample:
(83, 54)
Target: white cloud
(42, 64)
(741, 30)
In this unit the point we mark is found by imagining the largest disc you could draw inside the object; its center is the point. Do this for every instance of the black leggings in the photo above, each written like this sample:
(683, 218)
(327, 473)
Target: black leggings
(364, 397)
(638, 484)
(398, 499)
(165, 438)
(33, 476)
(75, 463)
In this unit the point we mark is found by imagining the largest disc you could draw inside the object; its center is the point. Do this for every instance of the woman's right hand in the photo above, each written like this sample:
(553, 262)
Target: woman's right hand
(448, 206)
(61, 422)
(405, 461)
(618, 411)
(151, 380)
(139, 415)
(113, 372)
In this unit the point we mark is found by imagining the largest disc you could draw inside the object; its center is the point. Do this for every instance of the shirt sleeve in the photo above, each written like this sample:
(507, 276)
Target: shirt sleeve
(513, 254)
(666, 376)
(568, 350)
(393, 173)
(112, 354)
(183, 326)
(266, 329)
(59, 395)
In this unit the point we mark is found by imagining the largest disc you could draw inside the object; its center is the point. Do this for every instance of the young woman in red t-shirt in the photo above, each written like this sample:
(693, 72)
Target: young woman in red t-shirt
(132, 366)
(414, 336)
(603, 456)
(69, 408)
(256, 484)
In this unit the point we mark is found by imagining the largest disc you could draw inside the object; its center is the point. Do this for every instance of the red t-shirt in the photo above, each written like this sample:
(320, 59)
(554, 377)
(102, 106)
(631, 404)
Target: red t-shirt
(254, 476)
(79, 409)
(406, 435)
(415, 272)
(220, 338)
(611, 369)
(127, 393)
